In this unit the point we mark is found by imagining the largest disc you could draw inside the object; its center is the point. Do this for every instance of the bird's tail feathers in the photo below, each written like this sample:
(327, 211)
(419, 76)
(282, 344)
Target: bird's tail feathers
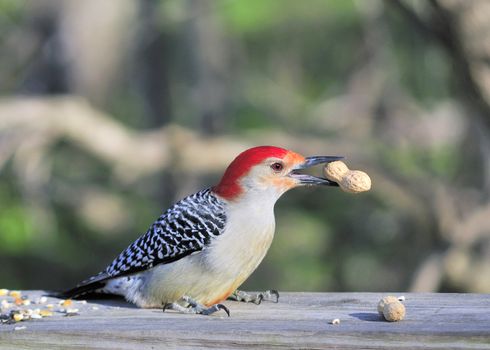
(90, 287)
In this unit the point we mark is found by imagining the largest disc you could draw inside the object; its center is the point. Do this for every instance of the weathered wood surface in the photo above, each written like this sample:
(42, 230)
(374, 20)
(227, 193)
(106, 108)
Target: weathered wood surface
(298, 321)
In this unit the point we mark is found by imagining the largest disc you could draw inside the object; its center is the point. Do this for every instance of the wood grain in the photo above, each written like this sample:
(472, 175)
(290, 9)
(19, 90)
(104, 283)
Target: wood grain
(298, 321)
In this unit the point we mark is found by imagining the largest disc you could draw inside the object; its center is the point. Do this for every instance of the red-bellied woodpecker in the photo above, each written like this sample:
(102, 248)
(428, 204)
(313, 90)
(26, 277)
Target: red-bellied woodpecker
(204, 247)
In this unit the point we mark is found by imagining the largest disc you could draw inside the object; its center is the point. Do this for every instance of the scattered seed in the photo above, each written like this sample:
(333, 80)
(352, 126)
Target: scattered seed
(26, 302)
(36, 316)
(5, 304)
(66, 303)
(17, 317)
(83, 302)
(70, 312)
(19, 328)
(42, 300)
(50, 306)
(335, 321)
(15, 293)
(95, 308)
(46, 313)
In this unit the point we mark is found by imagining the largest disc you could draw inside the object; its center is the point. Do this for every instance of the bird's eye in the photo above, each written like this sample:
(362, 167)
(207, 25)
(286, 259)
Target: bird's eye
(277, 167)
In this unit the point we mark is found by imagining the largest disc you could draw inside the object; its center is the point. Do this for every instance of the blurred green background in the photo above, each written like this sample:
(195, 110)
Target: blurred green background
(112, 110)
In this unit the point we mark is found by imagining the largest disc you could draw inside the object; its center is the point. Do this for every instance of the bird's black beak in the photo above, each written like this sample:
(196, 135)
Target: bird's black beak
(306, 179)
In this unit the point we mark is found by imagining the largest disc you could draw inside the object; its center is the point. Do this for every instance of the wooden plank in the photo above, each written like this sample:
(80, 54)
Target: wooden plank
(299, 321)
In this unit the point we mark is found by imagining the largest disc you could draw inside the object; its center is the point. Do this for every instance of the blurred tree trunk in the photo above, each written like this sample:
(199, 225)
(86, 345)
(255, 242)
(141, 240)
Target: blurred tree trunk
(461, 27)
(93, 52)
(466, 27)
(208, 66)
(151, 59)
(47, 69)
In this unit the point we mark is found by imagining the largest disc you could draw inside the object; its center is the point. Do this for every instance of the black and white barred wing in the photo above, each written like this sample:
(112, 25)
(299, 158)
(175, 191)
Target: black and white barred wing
(186, 228)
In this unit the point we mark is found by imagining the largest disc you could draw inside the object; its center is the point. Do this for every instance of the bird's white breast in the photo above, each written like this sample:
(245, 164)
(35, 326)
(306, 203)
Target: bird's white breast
(248, 235)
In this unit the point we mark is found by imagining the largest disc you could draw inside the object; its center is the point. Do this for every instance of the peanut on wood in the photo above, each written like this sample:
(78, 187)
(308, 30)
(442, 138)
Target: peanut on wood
(393, 312)
(385, 301)
(391, 309)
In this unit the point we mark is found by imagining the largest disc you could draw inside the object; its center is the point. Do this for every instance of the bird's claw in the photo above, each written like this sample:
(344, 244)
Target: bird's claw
(215, 308)
(195, 308)
(269, 293)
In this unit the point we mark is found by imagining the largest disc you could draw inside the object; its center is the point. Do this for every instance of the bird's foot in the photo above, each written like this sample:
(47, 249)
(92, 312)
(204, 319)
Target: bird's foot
(256, 298)
(194, 307)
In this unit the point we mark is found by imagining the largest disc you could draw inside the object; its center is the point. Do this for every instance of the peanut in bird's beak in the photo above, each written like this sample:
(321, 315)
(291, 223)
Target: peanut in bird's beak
(306, 179)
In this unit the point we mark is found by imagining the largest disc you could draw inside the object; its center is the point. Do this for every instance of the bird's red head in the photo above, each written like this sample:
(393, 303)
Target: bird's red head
(230, 186)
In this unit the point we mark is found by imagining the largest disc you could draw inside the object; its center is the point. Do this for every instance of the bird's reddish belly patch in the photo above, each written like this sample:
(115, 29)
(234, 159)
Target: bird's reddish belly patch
(220, 298)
